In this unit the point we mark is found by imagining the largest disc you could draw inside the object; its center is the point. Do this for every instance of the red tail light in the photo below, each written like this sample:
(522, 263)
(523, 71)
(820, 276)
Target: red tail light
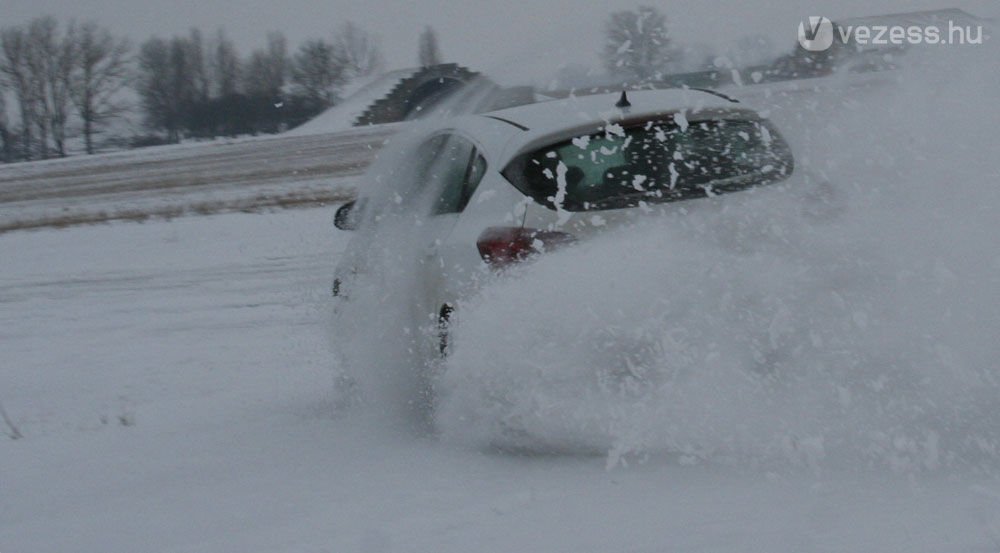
(502, 246)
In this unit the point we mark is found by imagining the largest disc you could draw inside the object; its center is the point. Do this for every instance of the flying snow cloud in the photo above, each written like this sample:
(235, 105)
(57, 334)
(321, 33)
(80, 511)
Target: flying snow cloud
(850, 320)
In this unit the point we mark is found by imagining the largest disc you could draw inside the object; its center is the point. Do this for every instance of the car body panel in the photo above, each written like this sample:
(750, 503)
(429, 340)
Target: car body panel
(450, 265)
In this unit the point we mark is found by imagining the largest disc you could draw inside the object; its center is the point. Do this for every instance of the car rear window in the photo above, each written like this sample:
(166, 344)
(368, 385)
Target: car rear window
(657, 161)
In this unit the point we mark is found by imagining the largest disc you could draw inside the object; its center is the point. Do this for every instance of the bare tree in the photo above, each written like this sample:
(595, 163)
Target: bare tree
(36, 62)
(429, 53)
(14, 68)
(223, 66)
(256, 80)
(637, 44)
(268, 68)
(158, 84)
(184, 82)
(42, 48)
(317, 73)
(6, 145)
(277, 56)
(358, 50)
(169, 83)
(195, 66)
(97, 78)
(60, 66)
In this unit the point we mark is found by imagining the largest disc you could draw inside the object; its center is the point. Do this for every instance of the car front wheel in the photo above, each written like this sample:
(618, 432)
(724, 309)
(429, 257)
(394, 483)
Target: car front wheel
(444, 319)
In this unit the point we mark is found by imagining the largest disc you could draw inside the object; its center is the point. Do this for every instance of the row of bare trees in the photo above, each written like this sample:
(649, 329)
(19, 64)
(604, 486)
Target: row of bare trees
(54, 73)
(640, 49)
(60, 81)
(188, 86)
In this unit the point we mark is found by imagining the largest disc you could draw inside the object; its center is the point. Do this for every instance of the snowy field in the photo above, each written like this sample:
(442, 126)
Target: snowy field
(175, 385)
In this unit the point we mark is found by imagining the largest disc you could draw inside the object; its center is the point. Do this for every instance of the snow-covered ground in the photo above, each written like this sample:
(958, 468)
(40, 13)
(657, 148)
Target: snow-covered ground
(173, 384)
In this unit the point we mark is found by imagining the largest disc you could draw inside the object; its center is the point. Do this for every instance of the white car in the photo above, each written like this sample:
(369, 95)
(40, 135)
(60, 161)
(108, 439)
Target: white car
(493, 189)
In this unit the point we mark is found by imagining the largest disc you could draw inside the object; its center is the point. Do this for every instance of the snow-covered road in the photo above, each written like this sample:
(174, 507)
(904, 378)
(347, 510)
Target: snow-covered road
(174, 385)
(199, 177)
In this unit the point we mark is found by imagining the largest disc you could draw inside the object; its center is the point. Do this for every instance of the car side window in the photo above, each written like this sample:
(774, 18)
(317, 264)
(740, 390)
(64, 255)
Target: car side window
(457, 173)
(477, 170)
(429, 163)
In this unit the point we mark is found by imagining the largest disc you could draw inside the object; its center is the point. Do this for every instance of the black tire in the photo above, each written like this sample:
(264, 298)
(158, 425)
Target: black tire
(444, 319)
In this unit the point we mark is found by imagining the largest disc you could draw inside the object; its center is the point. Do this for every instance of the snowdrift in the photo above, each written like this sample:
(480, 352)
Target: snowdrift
(342, 116)
(853, 320)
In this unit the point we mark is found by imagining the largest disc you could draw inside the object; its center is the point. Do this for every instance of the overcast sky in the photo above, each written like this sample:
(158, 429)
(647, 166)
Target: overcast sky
(503, 36)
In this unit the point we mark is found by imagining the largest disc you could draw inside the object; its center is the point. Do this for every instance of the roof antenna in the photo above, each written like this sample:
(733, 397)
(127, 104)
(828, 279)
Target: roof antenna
(623, 101)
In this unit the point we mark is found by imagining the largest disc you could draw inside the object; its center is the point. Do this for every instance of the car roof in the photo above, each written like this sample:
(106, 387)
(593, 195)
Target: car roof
(530, 123)
(559, 114)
